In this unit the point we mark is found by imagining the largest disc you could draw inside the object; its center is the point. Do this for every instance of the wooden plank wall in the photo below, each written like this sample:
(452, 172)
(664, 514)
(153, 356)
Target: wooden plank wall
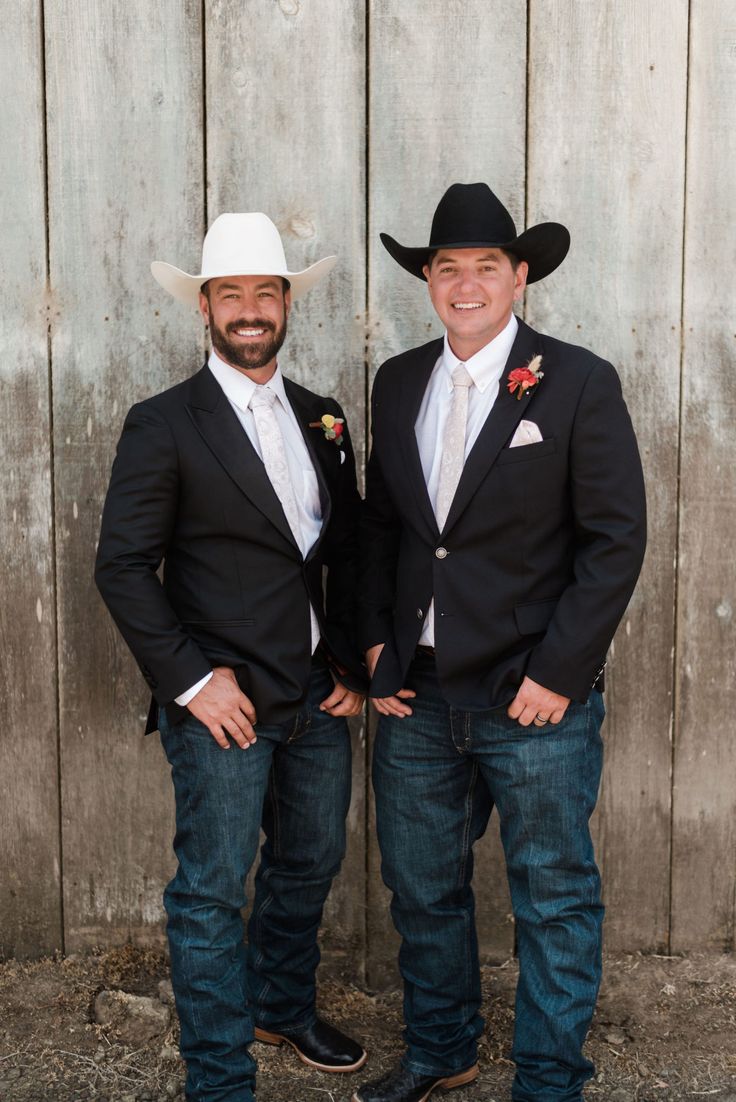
(619, 293)
(125, 155)
(30, 912)
(704, 823)
(137, 125)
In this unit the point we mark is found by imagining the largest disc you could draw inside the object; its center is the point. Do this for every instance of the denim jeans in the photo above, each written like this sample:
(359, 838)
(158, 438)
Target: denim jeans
(294, 781)
(437, 775)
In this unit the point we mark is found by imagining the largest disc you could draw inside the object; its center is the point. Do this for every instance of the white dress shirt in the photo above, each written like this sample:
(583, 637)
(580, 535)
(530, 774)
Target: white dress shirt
(238, 390)
(485, 368)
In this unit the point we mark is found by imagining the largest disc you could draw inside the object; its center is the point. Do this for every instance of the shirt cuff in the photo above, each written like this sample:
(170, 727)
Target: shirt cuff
(190, 694)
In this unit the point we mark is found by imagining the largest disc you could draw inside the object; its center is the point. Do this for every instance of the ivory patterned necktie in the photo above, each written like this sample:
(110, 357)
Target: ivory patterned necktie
(453, 444)
(273, 453)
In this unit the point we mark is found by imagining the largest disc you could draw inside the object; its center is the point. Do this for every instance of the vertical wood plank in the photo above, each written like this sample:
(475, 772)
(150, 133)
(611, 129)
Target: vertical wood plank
(704, 813)
(125, 187)
(607, 80)
(288, 139)
(447, 103)
(30, 907)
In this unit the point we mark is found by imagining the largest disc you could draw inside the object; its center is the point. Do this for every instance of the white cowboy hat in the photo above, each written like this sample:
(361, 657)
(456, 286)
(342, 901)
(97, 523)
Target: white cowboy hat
(239, 244)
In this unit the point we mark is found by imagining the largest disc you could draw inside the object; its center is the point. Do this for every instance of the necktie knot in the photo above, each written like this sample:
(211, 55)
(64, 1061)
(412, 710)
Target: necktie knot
(263, 397)
(461, 376)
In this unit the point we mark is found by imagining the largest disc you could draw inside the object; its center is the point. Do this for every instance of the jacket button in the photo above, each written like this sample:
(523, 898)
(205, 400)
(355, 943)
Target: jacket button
(441, 553)
(419, 614)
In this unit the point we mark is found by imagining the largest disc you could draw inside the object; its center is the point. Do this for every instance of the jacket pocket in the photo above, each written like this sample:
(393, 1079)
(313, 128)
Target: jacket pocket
(527, 451)
(535, 616)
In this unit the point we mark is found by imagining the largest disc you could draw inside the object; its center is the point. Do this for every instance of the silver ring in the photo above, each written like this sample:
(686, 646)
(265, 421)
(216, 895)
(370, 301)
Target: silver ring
(540, 719)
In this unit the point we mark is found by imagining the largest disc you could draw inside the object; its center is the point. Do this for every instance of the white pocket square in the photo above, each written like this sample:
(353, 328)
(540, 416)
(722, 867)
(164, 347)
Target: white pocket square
(342, 458)
(526, 433)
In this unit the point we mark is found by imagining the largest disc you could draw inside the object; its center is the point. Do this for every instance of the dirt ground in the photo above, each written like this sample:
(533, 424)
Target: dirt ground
(665, 1029)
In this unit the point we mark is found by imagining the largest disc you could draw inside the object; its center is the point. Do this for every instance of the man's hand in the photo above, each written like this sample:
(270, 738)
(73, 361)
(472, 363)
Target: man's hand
(225, 710)
(387, 705)
(535, 704)
(342, 702)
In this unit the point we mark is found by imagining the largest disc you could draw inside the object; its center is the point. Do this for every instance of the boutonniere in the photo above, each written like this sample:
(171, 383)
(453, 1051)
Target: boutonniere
(331, 426)
(522, 379)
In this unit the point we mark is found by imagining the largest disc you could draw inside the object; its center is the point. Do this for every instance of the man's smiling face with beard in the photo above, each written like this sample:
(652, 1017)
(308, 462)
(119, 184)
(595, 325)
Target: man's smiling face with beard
(247, 316)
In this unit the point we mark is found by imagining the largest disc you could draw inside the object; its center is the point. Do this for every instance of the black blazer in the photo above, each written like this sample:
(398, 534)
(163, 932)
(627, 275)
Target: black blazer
(543, 543)
(188, 487)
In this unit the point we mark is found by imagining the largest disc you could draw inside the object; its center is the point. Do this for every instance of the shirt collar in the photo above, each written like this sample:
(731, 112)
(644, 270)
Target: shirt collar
(238, 388)
(486, 365)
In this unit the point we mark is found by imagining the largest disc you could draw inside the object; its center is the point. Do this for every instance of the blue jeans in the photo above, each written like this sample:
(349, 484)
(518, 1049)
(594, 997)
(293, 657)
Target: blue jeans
(294, 781)
(437, 774)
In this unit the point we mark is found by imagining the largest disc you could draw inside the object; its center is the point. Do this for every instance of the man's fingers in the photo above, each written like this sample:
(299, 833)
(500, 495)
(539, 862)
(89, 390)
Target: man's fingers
(240, 731)
(557, 715)
(392, 706)
(405, 694)
(350, 705)
(337, 695)
(219, 736)
(527, 717)
(515, 708)
(246, 706)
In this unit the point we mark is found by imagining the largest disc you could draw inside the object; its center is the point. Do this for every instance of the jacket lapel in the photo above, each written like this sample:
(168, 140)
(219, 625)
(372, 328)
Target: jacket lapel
(413, 385)
(217, 423)
(305, 412)
(505, 415)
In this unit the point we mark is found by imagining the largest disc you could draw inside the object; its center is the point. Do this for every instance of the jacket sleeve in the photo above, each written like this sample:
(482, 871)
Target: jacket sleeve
(609, 517)
(380, 533)
(341, 560)
(137, 522)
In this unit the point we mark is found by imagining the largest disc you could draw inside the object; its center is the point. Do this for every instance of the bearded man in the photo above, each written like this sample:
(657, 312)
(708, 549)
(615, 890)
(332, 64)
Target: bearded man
(243, 484)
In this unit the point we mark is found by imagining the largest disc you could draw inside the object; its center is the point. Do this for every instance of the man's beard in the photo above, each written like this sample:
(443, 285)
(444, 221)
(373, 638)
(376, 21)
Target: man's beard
(250, 355)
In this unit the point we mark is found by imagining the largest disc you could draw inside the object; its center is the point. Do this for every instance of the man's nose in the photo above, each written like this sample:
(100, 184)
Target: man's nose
(467, 281)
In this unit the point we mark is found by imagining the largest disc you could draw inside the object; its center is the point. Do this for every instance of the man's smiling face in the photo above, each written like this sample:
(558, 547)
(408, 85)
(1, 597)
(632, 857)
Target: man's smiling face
(247, 319)
(473, 292)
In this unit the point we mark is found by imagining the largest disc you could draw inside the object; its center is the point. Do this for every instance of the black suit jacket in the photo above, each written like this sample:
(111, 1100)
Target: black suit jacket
(544, 542)
(187, 487)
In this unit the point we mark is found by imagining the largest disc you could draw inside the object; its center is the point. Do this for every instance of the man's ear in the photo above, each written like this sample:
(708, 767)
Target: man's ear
(425, 272)
(287, 301)
(204, 307)
(520, 279)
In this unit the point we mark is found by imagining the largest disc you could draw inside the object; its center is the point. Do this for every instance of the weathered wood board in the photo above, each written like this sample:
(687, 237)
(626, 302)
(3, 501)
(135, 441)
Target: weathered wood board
(125, 160)
(607, 81)
(704, 800)
(341, 121)
(289, 140)
(439, 113)
(30, 898)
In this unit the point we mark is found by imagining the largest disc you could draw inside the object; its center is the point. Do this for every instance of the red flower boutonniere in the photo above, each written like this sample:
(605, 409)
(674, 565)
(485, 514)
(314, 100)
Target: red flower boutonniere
(522, 379)
(331, 426)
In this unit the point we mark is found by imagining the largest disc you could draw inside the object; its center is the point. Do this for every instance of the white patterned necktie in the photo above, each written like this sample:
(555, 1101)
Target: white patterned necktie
(273, 453)
(453, 444)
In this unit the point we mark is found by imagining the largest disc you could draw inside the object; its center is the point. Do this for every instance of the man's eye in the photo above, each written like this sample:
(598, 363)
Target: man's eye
(265, 294)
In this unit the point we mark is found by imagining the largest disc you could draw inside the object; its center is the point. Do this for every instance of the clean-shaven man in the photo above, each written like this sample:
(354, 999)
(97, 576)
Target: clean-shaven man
(503, 533)
(243, 484)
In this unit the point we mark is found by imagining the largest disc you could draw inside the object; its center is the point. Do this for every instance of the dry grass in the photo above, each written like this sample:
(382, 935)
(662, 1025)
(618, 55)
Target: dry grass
(665, 1030)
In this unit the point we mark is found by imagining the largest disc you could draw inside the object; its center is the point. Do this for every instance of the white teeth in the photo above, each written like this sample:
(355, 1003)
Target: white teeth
(250, 332)
(468, 305)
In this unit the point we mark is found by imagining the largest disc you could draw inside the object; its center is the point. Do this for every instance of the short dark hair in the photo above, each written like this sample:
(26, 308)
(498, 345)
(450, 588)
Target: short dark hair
(514, 260)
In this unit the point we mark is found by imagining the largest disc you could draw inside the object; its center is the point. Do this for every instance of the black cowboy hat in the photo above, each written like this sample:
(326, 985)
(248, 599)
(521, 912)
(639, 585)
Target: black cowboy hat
(470, 216)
